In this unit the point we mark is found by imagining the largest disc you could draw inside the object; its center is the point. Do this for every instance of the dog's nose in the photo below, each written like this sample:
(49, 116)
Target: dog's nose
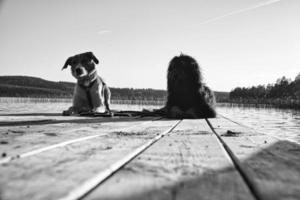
(79, 71)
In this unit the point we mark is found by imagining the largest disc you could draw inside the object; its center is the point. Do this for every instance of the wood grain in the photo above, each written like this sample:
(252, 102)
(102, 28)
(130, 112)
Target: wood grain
(52, 174)
(15, 140)
(273, 164)
(188, 163)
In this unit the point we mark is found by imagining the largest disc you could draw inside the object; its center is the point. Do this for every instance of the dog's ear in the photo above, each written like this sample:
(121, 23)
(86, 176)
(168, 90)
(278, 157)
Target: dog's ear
(67, 63)
(93, 57)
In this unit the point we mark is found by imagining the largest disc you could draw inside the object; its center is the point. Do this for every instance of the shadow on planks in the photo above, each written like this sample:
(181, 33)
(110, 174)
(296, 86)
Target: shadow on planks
(275, 171)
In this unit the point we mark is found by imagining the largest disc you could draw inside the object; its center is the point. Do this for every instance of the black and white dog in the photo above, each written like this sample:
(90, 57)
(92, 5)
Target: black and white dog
(91, 92)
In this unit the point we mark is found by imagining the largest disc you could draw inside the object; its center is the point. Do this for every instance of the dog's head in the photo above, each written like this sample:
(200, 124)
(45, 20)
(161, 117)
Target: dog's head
(82, 64)
(183, 72)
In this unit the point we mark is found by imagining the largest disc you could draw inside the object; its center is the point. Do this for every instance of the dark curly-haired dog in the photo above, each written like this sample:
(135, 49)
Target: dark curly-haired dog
(188, 96)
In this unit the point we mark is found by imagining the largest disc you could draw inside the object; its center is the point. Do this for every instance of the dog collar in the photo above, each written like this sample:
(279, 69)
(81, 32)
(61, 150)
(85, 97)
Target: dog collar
(86, 81)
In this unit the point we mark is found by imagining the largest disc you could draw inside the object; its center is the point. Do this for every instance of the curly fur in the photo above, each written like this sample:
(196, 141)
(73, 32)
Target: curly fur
(188, 96)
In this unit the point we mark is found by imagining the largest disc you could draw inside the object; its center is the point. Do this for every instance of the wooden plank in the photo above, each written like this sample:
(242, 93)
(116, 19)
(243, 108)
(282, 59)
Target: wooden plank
(85, 188)
(44, 120)
(18, 140)
(273, 164)
(188, 163)
(53, 174)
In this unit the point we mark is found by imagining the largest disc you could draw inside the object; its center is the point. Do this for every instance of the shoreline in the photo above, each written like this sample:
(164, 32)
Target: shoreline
(268, 103)
(256, 103)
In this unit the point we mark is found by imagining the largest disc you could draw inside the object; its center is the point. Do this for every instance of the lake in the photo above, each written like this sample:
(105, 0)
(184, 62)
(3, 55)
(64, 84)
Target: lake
(282, 123)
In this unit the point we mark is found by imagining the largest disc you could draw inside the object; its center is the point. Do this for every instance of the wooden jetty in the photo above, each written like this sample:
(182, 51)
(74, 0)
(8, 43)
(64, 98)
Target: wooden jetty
(49, 156)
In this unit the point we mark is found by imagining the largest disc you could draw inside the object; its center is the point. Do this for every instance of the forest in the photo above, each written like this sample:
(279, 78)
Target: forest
(284, 93)
(25, 86)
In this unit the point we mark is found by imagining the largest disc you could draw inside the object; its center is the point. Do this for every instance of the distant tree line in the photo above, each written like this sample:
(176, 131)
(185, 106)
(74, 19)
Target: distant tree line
(138, 94)
(284, 92)
(24, 86)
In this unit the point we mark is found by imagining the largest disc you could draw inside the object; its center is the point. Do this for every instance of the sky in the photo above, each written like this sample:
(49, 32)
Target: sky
(236, 42)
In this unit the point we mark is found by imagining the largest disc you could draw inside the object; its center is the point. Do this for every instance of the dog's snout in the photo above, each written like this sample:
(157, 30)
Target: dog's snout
(79, 71)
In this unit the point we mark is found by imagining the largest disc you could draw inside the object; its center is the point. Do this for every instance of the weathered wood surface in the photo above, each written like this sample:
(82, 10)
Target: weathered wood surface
(28, 119)
(16, 140)
(52, 174)
(187, 164)
(273, 164)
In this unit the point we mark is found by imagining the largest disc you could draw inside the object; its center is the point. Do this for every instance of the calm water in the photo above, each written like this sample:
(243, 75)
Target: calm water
(278, 122)
(283, 123)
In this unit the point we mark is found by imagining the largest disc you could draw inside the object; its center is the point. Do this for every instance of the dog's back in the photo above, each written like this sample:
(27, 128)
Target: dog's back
(188, 96)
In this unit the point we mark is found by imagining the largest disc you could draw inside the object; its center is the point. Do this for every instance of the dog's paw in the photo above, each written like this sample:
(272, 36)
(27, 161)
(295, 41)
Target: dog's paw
(175, 112)
(71, 111)
(99, 110)
(190, 114)
(110, 113)
(66, 113)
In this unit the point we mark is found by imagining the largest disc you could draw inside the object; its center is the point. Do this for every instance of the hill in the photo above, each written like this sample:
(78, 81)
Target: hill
(26, 86)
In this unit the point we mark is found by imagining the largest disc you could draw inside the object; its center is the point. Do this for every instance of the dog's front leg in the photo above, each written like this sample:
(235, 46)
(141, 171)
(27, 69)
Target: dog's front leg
(80, 101)
(106, 95)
